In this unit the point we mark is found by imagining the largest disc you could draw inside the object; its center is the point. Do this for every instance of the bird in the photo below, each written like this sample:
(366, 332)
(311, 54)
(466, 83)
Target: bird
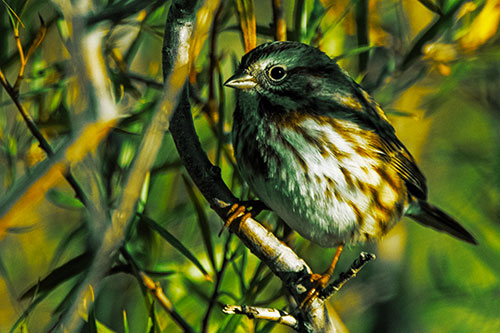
(320, 152)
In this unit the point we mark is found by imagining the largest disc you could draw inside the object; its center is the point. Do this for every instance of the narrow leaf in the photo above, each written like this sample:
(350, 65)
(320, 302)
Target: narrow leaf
(432, 6)
(125, 322)
(202, 221)
(62, 273)
(172, 240)
(92, 324)
(26, 312)
(300, 20)
(42, 31)
(12, 14)
(63, 200)
(354, 52)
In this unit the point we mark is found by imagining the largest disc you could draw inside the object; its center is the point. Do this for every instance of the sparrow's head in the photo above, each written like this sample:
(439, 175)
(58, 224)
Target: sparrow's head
(287, 72)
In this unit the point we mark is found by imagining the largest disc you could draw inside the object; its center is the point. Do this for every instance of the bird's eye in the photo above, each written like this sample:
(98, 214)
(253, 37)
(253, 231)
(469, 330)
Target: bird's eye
(277, 73)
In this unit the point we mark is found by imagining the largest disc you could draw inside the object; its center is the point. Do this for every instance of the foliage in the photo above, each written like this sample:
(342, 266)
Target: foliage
(71, 133)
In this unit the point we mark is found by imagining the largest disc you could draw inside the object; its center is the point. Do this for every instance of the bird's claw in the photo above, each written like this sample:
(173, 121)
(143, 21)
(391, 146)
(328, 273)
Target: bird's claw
(318, 282)
(240, 210)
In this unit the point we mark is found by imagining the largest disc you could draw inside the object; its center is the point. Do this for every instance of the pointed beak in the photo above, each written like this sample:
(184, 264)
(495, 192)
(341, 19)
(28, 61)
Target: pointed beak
(241, 80)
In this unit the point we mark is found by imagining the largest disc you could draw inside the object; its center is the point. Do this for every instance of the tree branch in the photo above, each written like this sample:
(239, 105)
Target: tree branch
(356, 266)
(254, 312)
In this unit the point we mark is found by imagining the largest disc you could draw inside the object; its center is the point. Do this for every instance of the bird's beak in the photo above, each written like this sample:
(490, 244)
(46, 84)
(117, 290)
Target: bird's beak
(241, 80)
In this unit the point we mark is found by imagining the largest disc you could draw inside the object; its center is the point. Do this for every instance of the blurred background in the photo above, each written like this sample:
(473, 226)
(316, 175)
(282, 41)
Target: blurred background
(434, 66)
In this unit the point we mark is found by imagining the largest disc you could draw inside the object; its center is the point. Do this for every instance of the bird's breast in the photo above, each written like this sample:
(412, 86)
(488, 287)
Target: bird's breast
(321, 176)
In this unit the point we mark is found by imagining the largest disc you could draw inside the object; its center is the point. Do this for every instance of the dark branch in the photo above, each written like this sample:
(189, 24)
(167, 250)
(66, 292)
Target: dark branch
(356, 266)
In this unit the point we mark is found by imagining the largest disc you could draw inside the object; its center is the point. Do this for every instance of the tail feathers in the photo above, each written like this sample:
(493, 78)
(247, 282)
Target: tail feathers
(433, 217)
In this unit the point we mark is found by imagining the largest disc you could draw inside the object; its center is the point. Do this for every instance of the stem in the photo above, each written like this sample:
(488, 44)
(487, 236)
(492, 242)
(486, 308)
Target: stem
(159, 295)
(279, 20)
(215, 293)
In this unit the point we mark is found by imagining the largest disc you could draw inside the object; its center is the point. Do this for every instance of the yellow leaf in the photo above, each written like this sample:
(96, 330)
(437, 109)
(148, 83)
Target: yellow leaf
(440, 52)
(483, 27)
(467, 8)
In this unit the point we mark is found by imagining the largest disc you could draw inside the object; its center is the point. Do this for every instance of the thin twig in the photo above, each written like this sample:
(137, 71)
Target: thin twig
(218, 280)
(212, 104)
(356, 266)
(159, 295)
(22, 60)
(253, 312)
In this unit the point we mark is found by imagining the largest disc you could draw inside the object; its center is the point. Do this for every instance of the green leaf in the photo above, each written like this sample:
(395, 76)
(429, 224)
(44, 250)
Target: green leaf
(202, 221)
(5, 275)
(300, 20)
(26, 312)
(62, 273)
(92, 324)
(70, 297)
(64, 200)
(432, 6)
(354, 52)
(197, 289)
(152, 320)
(65, 242)
(231, 323)
(12, 14)
(172, 240)
(315, 18)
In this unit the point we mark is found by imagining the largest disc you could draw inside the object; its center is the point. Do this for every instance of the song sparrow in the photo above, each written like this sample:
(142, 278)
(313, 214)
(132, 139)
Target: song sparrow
(320, 152)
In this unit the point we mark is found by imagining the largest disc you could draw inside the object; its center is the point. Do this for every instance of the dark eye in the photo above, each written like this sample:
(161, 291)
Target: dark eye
(277, 73)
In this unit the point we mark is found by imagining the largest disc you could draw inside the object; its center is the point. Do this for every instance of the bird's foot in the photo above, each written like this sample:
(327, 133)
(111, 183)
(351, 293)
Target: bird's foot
(319, 281)
(242, 211)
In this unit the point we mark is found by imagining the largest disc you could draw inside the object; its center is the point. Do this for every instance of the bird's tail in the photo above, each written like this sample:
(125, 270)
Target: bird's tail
(431, 216)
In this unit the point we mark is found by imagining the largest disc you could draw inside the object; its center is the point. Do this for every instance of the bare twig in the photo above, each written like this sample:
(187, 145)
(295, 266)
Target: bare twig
(254, 312)
(356, 266)
(22, 60)
(159, 295)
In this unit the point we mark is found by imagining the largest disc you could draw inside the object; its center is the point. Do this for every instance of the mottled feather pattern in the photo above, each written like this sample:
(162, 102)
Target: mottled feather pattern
(315, 165)
(321, 153)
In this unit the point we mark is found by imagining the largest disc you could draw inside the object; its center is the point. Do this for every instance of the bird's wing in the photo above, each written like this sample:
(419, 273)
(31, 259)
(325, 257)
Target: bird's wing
(393, 150)
(401, 160)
